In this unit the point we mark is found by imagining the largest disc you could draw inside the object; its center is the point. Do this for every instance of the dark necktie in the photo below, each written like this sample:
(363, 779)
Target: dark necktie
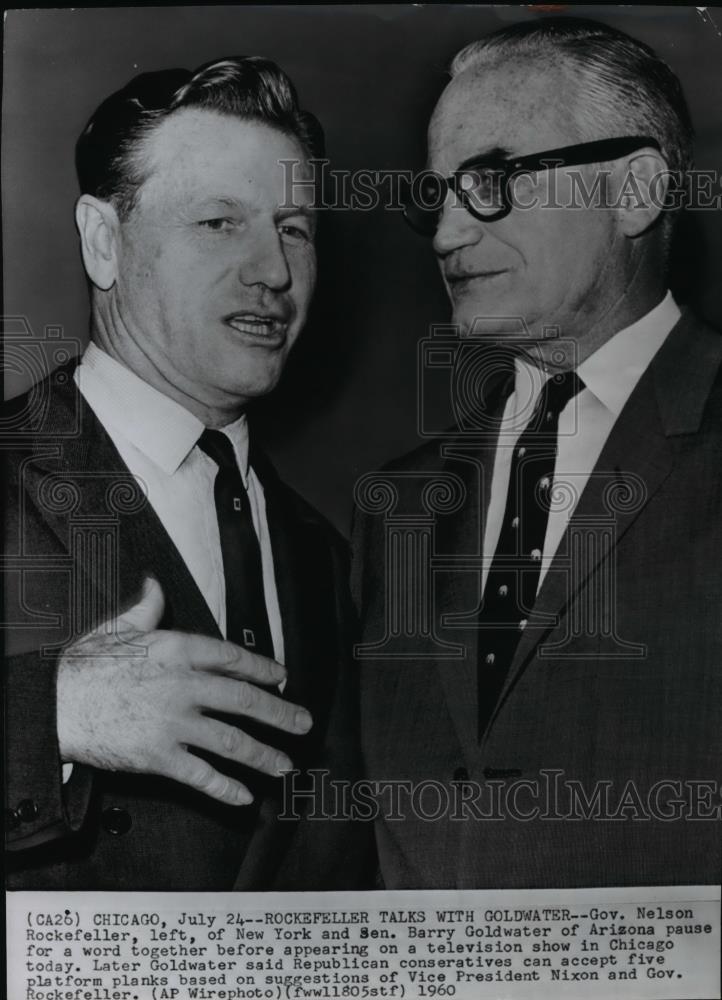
(513, 578)
(246, 615)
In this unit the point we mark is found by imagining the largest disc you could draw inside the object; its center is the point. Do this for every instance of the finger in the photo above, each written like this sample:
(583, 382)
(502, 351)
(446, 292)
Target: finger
(145, 615)
(222, 656)
(234, 744)
(200, 775)
(222, 694)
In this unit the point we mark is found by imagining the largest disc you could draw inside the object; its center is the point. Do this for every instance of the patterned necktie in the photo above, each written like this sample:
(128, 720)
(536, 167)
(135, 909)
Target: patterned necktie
(246, 614)
(513, 578)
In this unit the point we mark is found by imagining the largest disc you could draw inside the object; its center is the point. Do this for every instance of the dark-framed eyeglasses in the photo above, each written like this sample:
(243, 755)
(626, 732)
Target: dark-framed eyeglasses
(483, 184)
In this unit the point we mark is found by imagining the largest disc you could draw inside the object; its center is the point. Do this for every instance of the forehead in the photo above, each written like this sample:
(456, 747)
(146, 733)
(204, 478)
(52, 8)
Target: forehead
(516, 105)
(195, 153)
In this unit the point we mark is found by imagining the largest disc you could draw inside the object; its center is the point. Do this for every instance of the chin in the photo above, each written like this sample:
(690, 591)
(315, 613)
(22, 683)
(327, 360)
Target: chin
(492, 324)
(249, 391)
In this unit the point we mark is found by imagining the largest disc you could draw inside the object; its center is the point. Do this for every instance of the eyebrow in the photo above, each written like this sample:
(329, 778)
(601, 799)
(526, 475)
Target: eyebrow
(287, 211)
(220, 199)
(492, 153)
(226, 201)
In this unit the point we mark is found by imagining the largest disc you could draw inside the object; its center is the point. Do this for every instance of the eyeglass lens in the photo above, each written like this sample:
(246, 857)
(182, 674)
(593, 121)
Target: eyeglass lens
(480, 190)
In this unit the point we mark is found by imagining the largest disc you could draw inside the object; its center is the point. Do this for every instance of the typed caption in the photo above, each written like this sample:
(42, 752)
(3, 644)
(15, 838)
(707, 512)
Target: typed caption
(640, 942)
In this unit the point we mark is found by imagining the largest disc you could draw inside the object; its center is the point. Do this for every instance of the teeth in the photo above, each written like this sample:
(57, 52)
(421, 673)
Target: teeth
(252, 324)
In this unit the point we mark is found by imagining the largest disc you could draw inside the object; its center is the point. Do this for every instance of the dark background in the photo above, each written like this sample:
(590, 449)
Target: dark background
(372, 75)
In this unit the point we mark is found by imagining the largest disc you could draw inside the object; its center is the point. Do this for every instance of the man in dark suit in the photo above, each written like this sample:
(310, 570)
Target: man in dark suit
(179, 618)
(540, 588)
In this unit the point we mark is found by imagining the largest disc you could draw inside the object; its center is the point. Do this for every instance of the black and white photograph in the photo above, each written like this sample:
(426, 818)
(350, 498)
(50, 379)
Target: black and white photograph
(363, 501)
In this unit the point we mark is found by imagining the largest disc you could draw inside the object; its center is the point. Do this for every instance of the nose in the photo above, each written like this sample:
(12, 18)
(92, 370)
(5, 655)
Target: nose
(264, 262)
(457, 228)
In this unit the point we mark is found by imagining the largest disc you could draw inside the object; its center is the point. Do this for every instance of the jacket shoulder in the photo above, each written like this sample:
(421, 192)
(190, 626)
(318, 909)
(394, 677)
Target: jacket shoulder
(687, 373)
(50, 409)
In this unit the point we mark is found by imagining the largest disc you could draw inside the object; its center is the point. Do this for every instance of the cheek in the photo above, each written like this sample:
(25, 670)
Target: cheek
(142, 275)
(567, 245)
(302, 265)
(181, 283)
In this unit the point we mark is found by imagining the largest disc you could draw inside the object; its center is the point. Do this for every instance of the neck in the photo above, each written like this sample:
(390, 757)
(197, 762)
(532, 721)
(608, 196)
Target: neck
(590, 332)
(129, 353)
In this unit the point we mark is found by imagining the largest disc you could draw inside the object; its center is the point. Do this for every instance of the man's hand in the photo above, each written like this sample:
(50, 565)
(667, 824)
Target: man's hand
(124, 712)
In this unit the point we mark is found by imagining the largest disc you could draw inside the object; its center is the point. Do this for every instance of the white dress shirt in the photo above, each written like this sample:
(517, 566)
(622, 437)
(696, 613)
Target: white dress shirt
(157, 439)
(609, 375)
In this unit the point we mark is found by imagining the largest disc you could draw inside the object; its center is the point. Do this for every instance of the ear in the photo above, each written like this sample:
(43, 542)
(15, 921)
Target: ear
(98, 225)
(642, 186)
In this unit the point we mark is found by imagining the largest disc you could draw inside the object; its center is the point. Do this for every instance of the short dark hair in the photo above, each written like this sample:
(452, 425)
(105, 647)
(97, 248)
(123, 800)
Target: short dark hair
(108, 153)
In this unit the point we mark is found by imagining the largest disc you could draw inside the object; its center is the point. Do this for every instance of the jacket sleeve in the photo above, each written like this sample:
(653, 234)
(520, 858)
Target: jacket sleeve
(39, 807)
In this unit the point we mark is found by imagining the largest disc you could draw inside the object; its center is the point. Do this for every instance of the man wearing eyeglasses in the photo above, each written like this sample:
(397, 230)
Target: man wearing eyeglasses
(540, 587)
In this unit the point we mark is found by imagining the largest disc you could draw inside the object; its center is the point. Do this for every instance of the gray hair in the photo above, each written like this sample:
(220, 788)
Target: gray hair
(624, 88)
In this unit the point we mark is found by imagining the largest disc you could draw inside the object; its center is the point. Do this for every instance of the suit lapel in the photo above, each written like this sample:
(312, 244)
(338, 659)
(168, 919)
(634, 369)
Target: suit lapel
(307, 600)
(634, 463)
(305, 588)
(99, 514)
(638, 456)
(462, 534)
(290, 568)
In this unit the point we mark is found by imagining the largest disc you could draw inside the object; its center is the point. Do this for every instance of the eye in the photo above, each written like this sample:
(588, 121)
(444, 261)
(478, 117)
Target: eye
(220, 225)
(295, 234)
(483, 188)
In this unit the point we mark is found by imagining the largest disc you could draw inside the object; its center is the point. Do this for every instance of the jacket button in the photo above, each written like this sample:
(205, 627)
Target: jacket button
(12, 820)
(461, 774)
(116, 821)
(27, 811)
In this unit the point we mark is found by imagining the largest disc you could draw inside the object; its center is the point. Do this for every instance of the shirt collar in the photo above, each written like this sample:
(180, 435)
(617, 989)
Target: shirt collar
(159, 427)
(613, 370)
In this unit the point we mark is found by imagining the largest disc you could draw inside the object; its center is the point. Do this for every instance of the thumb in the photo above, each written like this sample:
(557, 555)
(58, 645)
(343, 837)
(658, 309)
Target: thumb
(147, 613)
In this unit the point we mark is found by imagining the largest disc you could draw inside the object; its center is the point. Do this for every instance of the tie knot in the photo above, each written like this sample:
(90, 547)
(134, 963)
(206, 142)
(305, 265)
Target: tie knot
(557, 392)
(218, 447)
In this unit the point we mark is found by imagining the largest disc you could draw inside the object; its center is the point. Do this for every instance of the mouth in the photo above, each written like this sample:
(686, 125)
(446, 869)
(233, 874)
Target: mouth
(458, 282)
(262, 327)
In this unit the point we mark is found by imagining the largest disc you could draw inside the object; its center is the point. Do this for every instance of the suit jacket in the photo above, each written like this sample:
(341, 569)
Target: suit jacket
(612, 707)
(80, 539)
